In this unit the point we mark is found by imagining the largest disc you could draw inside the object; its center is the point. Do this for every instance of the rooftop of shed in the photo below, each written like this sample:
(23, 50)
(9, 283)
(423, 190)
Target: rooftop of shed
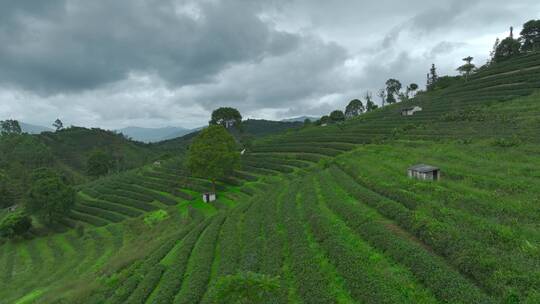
(423, 168)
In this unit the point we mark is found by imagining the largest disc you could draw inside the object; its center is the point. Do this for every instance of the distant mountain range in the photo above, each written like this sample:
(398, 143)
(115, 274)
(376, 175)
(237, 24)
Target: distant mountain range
(33, 129)
(300, 119)
(149, 135)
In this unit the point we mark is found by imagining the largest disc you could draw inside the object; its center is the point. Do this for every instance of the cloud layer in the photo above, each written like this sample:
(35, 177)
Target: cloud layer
(170, 62)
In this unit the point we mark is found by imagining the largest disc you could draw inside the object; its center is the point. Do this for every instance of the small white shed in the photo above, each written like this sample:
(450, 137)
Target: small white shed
(410, 111)
(209, 197)
(424, 172)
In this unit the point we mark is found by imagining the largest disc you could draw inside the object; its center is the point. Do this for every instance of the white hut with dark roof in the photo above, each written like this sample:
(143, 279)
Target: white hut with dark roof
(424, 172)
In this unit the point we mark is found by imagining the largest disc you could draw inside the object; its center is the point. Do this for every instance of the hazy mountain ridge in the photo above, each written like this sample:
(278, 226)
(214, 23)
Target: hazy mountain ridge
(149, 135)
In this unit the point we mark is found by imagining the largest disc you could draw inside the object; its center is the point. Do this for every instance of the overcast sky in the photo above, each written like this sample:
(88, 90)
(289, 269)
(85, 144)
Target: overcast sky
(153, 63)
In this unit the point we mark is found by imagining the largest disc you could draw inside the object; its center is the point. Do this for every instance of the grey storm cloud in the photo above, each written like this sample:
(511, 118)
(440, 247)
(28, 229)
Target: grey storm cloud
(78, 45)
(166, 62)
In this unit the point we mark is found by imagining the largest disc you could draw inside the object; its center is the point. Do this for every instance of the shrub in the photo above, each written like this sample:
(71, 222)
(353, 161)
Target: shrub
(152, 218)
(14, 224)
(244, 288)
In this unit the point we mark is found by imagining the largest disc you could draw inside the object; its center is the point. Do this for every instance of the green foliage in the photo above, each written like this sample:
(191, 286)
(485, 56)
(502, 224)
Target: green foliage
(14, 224)
(530, 36)
(246, 288)
(226, 117)
(337, 116)
(354, 108)
(507, 48)
(371, 106)
(513, 141)
(10, 126)
(7, 196)
(467, 68)
(99, 163)
(325, 120)
(213, 154)
(153, 218)
(58, 125)
(393, 86)
(49, 197)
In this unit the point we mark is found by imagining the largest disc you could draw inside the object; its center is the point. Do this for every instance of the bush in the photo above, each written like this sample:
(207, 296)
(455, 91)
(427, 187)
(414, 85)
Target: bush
(513, 141)
(14, 224)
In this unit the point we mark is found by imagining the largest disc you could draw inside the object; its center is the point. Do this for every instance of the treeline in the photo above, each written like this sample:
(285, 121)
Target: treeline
(38, 172)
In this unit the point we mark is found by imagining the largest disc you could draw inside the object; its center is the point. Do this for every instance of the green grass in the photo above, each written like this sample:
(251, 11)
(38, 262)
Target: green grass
(329, 211)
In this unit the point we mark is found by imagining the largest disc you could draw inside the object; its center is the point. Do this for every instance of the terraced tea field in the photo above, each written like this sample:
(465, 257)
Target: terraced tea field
(328, 211)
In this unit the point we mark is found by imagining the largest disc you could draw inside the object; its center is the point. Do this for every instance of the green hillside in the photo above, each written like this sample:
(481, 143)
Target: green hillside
(327, 210)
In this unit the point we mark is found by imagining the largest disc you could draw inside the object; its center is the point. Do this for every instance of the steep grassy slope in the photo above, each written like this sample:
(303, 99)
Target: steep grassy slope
(329, 210)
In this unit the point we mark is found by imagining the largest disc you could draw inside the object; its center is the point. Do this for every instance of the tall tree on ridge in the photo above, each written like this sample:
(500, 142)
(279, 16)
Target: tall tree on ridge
(10, 126)
(467, 68)
(354, 108)
(227, 117)
(393, 86)
(213, 154)
(432, 77)
(530, 36)
(58, 125)
(508, 48)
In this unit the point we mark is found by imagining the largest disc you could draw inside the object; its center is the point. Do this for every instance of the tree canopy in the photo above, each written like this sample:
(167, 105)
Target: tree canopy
(58, 124)
(337, 116)
(10, 126)
(213, 154)
(370, 106)
(530, 36)
(99, 163)
(324, 119)
(432, 78)
(49, 197)
(354, 108)
(507, 48)
(393, 86)
(467, 68)
(15, 223)
(226, 117)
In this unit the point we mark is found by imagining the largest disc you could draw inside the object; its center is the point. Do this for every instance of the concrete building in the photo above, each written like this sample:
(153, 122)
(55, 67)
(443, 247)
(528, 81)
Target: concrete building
(209, 197)
(424, 172)
(410, 111)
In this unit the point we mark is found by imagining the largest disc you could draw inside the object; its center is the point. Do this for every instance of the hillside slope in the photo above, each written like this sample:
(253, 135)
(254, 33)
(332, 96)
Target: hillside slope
(329, 211)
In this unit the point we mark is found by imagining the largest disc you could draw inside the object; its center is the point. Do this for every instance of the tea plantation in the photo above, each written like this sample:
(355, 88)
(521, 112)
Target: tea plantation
(327, 211)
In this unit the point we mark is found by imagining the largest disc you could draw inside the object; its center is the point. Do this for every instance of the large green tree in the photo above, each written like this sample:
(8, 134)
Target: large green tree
(49, 197)
(213, 154)
(99, 163)
(337, 116)
(530, 36)
(10, 126)
(393, 86)
(14, 223)
(354, 108)
(58, 124)
(507, 48)
(226, 117)
(467, 68)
